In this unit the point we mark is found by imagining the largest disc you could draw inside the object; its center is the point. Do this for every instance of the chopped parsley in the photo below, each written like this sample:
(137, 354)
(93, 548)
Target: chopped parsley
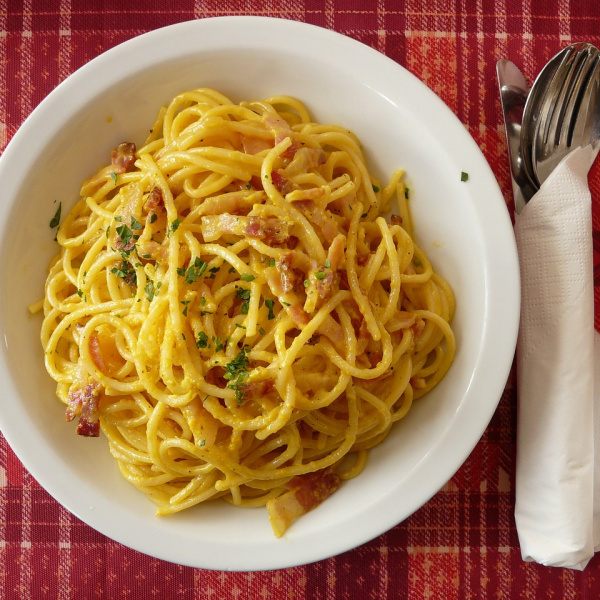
(417, 261)
(202, 340)
(213, 272)
(319, 275)
(114, 177)
(153, 218)
(219, 345)
(248, 277)
(244, 295)
(194, 271)
(135, 224)
(185, 304)
(56, 218)
(464, 176)
(406, 193)
(236, 372)
(272, 262)
(328, 264)
(175, 224)
(125, 272)
(124, 234)
(376, 188)
(149, 289)
(262, 331)
(269, 304)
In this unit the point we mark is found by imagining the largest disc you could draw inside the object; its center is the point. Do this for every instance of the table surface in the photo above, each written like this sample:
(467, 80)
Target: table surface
(463, 543)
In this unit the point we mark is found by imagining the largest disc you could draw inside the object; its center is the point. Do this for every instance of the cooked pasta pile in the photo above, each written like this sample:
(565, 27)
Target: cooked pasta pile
(232, 309)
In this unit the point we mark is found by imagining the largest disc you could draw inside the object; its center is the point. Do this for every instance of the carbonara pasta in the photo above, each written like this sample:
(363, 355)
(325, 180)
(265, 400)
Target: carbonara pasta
(232, 309)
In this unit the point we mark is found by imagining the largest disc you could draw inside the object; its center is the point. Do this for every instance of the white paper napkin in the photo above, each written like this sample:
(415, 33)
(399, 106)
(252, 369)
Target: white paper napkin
(557, 510)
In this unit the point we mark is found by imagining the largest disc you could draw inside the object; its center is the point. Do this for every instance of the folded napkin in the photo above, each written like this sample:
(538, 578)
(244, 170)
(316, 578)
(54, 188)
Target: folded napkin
(557, 502)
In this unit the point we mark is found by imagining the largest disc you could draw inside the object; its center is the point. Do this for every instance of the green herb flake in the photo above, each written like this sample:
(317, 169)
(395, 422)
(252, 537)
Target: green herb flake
(319, 275)
(185, 310)
(376, 188)
(244, 295)
(269, 304)
(464, 176)
(406, 193)
(202, 340)
(417, 261)
(248, 277)
(272, 262)
(262, 331)
(195, 270)
(135, 224)
(240, 326)
(56, 218)
(328, 264)
(219, 345)
(124, 234)
(113, 176)
(236, 372)
(153, 218)
(149, 289)
(175, 224)
(306, 283)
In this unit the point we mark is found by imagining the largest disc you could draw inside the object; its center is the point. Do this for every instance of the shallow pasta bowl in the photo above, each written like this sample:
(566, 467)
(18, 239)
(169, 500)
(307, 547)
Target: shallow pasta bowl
(463, 226)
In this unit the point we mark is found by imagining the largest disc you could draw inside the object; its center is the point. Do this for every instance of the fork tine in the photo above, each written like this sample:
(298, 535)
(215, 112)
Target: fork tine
(547, 107)
(577, 116)
(560, 98)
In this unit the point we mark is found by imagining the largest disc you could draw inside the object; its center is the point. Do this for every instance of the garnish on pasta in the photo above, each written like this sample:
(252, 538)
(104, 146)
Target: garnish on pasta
(241, 308)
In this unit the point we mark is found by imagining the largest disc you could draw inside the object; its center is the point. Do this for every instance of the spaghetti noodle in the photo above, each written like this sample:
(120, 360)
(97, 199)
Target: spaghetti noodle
(231, 308)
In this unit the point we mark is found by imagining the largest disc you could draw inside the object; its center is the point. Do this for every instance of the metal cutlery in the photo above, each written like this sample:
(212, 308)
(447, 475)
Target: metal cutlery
(560, 113)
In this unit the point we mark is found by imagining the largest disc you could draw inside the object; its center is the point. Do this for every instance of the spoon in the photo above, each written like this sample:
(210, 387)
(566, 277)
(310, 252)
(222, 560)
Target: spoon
(537, 99)
(569, 112)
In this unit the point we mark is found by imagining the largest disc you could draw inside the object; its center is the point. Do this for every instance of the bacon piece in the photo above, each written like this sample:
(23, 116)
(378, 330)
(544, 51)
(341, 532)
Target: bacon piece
(306, 493)
(335, 255)
(401, 319)
(154, 199)
(232, 202)
(293, 268)
(214, 226)
(104, 352)
(271, 230)
(252, 145)
(305, 160)
(123, 156)
(395, 219)
(282, 183)
(321, 219)
(83, 403)
(281, 129)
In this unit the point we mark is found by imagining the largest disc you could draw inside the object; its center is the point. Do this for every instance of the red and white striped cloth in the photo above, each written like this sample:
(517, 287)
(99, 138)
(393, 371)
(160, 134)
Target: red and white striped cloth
(462, 544)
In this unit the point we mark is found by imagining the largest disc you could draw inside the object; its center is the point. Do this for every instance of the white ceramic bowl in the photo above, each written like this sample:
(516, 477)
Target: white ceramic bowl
(463, 226)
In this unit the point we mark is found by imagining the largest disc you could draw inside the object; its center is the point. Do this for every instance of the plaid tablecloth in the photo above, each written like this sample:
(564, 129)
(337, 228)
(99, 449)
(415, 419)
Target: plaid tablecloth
(463, 543)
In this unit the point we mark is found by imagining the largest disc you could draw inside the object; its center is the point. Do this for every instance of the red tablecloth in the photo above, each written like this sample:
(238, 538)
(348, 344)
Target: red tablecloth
(463, 543)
